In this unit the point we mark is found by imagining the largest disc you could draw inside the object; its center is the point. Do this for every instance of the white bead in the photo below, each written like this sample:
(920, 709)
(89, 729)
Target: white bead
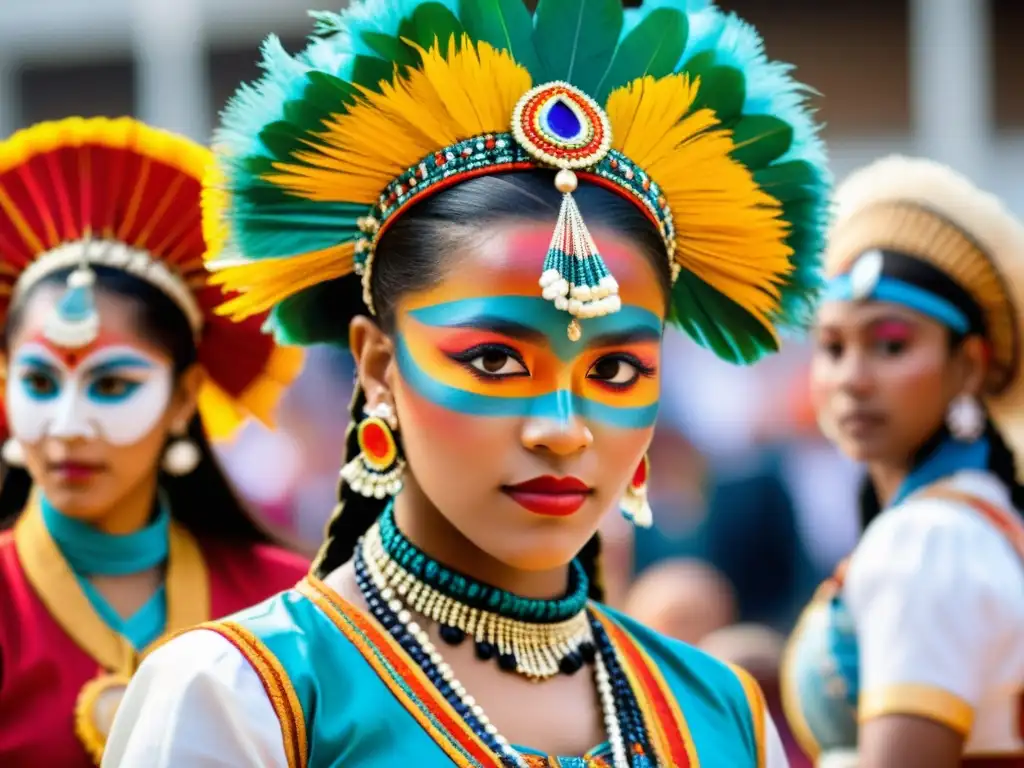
(469, 701)
(562, 303)
(404, 616)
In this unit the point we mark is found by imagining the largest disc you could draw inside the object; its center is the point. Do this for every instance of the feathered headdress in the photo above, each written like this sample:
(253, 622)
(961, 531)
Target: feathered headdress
(84, 192)
(674, 106)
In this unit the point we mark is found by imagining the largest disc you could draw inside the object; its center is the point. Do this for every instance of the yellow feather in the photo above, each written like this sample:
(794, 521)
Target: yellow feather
(729, 232)
(266, 282)
(359, 153)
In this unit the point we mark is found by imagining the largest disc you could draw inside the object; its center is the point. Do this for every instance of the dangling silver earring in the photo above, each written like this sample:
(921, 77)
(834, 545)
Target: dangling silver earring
(965, 418)
(181, 457)
(13, 453)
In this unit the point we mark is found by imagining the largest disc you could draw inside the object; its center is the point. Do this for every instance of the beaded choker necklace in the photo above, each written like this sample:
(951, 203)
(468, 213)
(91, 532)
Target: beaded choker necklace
(536, 638)
(624, 724)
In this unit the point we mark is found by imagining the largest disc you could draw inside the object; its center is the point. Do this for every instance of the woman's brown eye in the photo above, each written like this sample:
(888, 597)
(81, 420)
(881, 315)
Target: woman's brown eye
(493, 362)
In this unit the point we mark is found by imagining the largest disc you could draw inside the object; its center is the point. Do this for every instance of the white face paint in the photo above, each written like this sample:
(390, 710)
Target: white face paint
(116, 393)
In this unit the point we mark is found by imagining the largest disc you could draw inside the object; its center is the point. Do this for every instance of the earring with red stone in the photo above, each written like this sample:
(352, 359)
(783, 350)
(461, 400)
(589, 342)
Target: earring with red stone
(634, 505)
(377, 470)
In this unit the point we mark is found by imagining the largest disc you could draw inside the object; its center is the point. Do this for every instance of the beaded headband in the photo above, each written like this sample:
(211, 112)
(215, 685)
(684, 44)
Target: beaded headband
(674, 106)
(75, 323)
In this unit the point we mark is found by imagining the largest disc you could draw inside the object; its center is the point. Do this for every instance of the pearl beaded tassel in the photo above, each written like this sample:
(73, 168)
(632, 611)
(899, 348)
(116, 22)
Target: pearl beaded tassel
(540, 650)
(606, 694)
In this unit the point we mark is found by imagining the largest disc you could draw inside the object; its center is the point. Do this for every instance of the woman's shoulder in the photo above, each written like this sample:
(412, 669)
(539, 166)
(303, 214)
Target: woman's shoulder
(941, 546)
(689, 671)
(967, 516)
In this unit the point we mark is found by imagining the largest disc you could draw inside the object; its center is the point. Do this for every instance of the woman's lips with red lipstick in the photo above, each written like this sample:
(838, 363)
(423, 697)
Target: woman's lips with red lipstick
(551, 496)
(75, 471)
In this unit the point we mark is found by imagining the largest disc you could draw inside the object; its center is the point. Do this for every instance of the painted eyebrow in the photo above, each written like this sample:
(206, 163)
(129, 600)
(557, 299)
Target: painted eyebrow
(623, 338)
(118, 363)
(38, 361)
(504, 327)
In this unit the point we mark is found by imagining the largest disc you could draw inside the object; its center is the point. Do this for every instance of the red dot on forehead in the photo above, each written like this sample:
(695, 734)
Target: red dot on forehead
(72, 357)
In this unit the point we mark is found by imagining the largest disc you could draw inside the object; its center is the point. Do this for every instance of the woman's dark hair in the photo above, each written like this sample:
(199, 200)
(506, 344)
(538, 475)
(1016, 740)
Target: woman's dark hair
(203, 501)
(411, 257)
(1001, 462)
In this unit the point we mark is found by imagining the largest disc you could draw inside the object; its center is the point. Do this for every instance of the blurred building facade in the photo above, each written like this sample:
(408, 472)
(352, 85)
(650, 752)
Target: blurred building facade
(935, 77)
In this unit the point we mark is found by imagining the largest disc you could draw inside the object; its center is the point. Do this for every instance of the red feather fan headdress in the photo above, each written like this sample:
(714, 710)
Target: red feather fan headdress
(81, 192)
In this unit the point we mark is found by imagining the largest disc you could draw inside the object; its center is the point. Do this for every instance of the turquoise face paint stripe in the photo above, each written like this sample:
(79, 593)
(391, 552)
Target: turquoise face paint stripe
(120, 363)
(560, 405)
(911, 296)
(540, 315)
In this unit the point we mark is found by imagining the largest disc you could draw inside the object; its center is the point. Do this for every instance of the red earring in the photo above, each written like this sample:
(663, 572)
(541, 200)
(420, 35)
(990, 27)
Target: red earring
(635, 506)
(377, 470)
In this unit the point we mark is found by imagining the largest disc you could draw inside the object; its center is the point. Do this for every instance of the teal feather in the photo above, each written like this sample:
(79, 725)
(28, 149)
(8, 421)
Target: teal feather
(653, 47)
(760, 140)
(295, 227)
(575, 39)
(505, 24)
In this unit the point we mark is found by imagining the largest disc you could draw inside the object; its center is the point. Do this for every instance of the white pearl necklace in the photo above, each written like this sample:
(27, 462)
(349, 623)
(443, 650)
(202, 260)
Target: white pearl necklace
(620, 758)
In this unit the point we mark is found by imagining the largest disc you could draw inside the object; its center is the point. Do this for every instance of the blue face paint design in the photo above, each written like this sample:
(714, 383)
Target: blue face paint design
(39, 380)
(108, 384)
(529, 317)
(542, 317)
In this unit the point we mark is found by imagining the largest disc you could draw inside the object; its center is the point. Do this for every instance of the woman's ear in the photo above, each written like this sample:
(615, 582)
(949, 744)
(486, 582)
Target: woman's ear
(374, 353)
(974, 355)
(185, 398)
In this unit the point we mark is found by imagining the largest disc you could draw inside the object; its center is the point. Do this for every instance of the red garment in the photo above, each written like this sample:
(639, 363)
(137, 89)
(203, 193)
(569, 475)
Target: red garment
(42, 670)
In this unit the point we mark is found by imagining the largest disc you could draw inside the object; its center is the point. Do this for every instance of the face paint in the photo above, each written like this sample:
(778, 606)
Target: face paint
(115, 393)
(560, 377)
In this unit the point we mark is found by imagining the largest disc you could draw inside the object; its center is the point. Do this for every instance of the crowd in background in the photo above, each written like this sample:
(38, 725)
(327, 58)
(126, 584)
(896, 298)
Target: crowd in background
(752, 507)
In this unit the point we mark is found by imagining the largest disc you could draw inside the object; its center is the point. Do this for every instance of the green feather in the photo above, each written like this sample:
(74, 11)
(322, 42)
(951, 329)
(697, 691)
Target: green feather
(331, 94)
(760, 139)
(722, 89)
(505, 24)
(575, 38)
(370, 72)
(320, 314)
(282, 138)
(391, 48)
(789, 181)
(718, 323)
(700, 64)
(432, 22)
(653, 48)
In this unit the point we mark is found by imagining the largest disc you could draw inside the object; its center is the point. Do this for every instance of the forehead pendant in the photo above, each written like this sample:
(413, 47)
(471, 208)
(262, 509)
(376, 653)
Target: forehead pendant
(561, 127)
(74, 322)
(865, 275)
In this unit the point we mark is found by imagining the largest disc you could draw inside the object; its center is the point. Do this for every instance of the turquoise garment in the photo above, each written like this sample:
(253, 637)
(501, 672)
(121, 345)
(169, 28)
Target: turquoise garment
(91, 552)
(353, 719)
(824, 666)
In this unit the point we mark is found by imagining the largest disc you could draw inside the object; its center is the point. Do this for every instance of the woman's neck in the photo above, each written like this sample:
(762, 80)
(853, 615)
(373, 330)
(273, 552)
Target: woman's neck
(886, 480)
(132, 512)
(421, 522)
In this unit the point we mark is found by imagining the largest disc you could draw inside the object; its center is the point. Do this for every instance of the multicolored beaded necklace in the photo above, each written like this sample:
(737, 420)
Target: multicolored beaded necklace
(537, 650)
(630, 744)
